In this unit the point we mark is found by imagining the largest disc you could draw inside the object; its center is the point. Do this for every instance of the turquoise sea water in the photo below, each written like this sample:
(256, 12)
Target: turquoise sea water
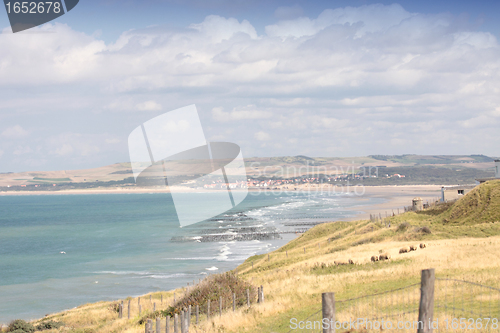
(60, 251)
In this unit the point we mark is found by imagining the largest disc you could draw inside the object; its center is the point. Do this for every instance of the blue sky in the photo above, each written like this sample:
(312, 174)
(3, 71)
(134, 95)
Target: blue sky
(323, 78)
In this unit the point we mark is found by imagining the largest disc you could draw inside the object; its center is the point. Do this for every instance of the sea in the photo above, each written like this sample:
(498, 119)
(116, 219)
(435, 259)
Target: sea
(61, 251)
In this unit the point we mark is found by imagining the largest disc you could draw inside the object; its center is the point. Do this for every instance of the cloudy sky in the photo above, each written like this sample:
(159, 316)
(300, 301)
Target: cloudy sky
(324, 78)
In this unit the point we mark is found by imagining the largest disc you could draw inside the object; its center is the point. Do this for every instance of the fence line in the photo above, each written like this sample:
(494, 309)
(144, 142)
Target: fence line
(180, 323)
(439, 304)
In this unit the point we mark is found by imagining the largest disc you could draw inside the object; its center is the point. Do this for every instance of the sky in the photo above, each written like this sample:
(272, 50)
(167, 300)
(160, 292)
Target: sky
(278, 78)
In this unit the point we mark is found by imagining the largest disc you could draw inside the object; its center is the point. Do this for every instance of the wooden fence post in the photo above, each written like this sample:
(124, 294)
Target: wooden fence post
(258, 294)
(248, 297)
(197, 314)
(234, 302)
(147, 328)
(262, 294)
(186, 321)
(328, 309)
(189, 315)
(183, 324)
(426, 309)
(154, 307)
(208, 310)
(176, 323)
(128, 310)
(140, 309)
(268, 257)
(158, 325)
(167, 322)
(120, 311)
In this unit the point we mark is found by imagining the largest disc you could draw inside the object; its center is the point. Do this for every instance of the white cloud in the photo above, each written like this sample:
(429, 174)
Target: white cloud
(245, 113)
(75, 145)
(148, 106)
(113, 141)
(22, 150)
(219, 28)
(262, 136)
(370, 18)
(348, 81)
(14, 132)
(65, 149)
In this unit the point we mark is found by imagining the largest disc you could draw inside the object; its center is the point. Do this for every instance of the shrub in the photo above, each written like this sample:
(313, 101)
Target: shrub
(48, 325)
(424, 230)
(211, 288)
(114, 307)
(403, 227)
(21, 326)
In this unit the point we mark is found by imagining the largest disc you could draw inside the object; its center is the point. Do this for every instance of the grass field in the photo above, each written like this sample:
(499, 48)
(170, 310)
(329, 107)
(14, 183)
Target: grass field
(463, 242)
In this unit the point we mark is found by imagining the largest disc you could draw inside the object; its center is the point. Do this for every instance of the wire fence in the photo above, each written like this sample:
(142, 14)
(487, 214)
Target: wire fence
(458, 306)
(190, 315)
(466, 306)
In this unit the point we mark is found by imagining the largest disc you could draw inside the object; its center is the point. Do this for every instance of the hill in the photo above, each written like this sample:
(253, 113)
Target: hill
(480, 204)
(370, 170)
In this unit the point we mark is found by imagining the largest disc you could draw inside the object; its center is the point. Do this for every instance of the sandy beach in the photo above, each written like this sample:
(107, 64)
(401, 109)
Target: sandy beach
(395, 196)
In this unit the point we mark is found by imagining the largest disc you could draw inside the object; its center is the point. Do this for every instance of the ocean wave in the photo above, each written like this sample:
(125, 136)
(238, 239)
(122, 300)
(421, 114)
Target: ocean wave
(146, 274)
(213, 268)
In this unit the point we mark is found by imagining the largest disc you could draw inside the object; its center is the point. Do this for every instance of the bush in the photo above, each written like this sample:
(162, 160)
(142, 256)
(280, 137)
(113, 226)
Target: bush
(424, 230)
(114, 307)
(211, 288)
(21, 326)
(48, 325)
(403, 227)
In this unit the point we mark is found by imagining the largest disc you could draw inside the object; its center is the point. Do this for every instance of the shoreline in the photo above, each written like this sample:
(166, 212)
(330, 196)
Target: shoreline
(396, 196)
(182, 189)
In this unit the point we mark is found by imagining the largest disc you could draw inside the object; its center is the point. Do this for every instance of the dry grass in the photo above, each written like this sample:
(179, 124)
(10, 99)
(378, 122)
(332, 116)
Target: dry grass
(294, 291)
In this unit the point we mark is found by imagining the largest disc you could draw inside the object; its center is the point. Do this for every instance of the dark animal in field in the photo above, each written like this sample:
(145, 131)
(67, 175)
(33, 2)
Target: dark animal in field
(384, 256)
(405, 249)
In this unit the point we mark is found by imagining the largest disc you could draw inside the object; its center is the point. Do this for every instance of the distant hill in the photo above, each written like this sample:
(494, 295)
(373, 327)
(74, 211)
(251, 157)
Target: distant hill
(389, 170)
(433, 159)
